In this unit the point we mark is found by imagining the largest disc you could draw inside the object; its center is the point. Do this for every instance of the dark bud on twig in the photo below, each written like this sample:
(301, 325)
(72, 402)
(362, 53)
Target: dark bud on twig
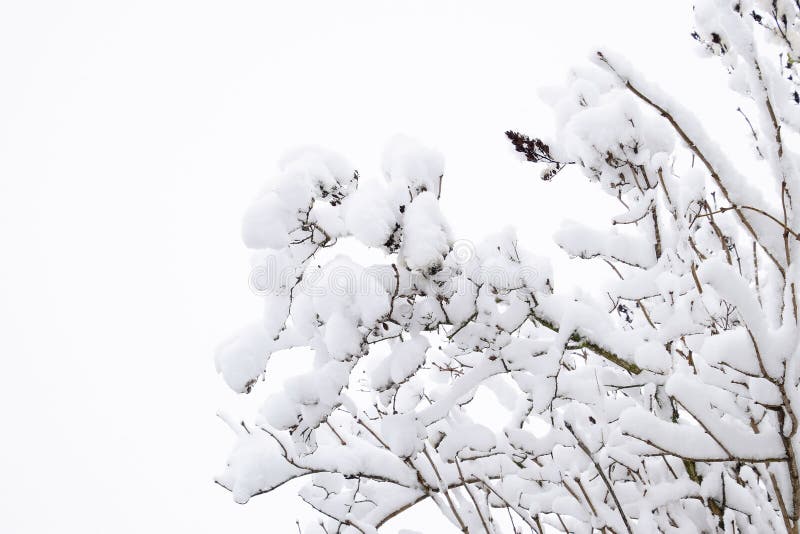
(535, 150)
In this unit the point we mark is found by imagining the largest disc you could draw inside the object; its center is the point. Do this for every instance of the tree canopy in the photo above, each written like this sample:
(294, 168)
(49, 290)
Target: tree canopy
(669, 406)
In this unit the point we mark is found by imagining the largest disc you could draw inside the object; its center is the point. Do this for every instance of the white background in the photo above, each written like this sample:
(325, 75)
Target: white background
(132, 136)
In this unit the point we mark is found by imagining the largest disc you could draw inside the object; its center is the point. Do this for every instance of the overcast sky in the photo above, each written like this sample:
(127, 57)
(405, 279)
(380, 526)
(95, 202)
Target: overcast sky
(133, 135)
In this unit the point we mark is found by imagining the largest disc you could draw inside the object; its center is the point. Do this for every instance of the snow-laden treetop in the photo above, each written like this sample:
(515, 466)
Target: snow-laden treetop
(670, 405)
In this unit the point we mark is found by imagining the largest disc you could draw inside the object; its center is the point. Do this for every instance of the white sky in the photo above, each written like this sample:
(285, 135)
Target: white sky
(132, 136)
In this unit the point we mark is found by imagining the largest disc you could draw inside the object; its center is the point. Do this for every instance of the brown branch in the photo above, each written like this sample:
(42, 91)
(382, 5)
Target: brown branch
(696, 279)
(588, 453)
(399, 510)
(443, 489)
(657, 245)
(755, 273)
(462, 325)
(471, 496)
(781, 503)
(734, 207)
(705, 428)
(584, 342)
(512, 507)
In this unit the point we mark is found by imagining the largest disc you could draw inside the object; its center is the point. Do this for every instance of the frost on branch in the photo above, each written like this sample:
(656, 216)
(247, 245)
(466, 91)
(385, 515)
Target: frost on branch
(664, 401)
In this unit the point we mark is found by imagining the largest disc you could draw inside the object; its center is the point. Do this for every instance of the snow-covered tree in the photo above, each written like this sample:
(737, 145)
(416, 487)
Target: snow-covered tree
(671, 406)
